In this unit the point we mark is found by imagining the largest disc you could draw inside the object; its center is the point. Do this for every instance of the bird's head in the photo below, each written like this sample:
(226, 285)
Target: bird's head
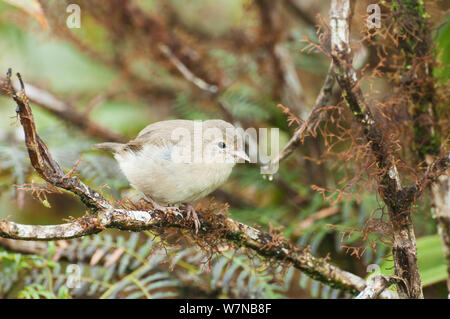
(223, 143)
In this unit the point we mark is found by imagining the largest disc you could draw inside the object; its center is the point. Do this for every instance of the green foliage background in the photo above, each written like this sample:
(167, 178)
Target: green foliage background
(145, 269)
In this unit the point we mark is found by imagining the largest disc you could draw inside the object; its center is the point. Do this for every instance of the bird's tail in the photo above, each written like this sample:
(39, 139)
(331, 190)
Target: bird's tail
(115, 147)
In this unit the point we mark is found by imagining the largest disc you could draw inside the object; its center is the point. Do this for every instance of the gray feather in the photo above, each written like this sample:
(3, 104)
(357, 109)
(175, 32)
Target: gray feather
(115, 147)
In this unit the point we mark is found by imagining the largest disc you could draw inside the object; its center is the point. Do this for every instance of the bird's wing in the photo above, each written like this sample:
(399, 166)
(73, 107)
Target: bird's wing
(171, 132)
(164, 127)
(160, 134)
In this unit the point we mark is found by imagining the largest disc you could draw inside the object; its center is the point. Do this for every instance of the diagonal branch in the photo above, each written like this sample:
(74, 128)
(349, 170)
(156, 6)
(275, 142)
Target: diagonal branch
(67, 112)
(106, 215)
(188, 75)
(41, 158)
(309, 125)
(376, 285)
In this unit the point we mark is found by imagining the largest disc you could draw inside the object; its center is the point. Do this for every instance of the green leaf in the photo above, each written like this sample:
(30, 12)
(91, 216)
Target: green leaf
(430, 255)
(443, 44)
(63, 292)
(46, 203)
(35, 291)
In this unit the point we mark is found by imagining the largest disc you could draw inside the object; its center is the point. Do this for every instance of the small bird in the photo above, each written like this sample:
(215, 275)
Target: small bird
(176, 162)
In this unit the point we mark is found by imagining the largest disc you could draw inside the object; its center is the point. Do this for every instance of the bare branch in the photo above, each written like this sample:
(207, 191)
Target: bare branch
(212, 89)
(67, 112)
(441, 199)
(434, 171)
(376, 285)
(24, 247)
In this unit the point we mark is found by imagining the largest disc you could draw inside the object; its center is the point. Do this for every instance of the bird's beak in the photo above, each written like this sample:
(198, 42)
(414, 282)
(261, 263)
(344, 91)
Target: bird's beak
(240, 155)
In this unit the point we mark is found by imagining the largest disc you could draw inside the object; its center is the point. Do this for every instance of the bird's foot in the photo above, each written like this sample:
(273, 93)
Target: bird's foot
(172, 209)
(167, 209)
(191, 214)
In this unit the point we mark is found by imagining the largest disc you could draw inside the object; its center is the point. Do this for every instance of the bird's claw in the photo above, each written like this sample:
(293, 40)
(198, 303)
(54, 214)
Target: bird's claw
(167, 209)
(191, 214)
(190, 210)
(174, 210)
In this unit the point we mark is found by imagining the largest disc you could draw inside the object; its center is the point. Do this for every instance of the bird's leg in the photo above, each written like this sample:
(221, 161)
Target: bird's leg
(172, 209)
(193, 215)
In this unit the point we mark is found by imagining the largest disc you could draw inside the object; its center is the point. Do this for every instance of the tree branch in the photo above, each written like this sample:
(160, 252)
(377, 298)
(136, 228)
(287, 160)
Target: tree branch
(105, 215)
(376, 285)
(404, 248)
(234, 232)
(188, 75)
(67, 112)
(309, 125)
(418, 84)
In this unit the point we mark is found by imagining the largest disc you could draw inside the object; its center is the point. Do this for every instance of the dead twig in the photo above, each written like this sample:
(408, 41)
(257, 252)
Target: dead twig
(308, 126)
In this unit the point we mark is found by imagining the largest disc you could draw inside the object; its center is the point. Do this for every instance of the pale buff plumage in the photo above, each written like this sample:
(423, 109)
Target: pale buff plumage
(149, 165)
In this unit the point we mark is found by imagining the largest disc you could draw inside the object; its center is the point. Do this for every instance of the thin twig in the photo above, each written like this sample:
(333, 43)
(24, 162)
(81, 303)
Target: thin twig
(309, 125)
(211, 88)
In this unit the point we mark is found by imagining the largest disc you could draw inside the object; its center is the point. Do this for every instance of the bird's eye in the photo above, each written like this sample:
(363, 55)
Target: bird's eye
(221, 145)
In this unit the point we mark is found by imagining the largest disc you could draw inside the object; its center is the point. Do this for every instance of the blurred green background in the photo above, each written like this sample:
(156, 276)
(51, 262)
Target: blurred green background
(113, 72)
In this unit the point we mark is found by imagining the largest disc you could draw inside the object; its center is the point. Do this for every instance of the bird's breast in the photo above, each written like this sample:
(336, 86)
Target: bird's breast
(154, 172)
